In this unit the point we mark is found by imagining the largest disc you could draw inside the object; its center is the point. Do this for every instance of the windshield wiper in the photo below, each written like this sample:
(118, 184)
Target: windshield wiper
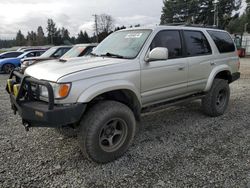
(108, 54)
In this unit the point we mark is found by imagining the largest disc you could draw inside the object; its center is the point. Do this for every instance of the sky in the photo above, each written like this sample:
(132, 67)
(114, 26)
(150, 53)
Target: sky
(75, 15)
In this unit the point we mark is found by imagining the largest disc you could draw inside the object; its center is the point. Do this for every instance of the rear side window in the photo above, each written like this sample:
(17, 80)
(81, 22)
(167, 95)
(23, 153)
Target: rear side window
(12, 54)
(196, 43)
(169, 39)
(223, 41)
(39, 53)
(31, 54)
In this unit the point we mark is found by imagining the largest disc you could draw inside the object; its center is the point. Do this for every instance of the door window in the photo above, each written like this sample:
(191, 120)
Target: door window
(196, 43)
(169, 39)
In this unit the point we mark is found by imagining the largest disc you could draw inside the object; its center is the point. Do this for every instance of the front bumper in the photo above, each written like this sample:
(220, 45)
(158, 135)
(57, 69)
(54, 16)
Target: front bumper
(36, 113)
(235, 76)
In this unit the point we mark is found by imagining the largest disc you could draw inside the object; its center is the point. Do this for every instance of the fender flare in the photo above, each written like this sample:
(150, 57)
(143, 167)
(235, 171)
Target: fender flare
(106, 86)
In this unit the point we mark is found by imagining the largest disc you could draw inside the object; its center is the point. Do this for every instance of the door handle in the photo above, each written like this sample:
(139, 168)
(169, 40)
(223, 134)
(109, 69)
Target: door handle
(212, 63)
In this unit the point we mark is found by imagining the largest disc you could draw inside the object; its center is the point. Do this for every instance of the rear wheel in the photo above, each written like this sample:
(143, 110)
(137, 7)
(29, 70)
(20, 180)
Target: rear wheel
(106, 131)
(7, 68)
(216, 101)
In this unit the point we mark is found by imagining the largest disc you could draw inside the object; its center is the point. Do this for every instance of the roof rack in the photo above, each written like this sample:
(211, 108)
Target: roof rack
(184, 24)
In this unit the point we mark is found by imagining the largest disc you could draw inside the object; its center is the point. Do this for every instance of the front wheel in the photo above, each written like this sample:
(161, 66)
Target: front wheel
(7, 68)
(216, 101)
(106, 131)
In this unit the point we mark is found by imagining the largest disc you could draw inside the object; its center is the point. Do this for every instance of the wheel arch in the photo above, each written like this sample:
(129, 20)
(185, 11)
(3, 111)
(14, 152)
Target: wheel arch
(124, 93)
(222, 72)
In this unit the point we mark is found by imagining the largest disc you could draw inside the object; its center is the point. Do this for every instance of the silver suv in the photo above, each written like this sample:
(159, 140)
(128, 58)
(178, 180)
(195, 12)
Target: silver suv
(102, 96)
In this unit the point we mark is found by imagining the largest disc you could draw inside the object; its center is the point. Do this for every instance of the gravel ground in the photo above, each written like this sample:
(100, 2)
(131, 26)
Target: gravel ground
(178, 147)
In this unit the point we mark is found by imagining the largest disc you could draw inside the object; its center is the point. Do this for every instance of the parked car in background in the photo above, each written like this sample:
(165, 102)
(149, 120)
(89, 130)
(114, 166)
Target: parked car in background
(30, 48)
(79, 50)
(9, 64)
(10, 54)
(38, 48)
(53, 53)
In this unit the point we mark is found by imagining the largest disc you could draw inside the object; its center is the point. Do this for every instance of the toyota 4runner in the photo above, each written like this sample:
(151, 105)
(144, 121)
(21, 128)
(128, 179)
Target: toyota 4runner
(103, 96)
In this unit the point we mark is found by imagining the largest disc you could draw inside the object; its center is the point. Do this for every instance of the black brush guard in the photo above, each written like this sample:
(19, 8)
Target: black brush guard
(37, 113)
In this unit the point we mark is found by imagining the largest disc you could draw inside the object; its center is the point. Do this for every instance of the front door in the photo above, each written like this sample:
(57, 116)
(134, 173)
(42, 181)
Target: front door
(164, 79)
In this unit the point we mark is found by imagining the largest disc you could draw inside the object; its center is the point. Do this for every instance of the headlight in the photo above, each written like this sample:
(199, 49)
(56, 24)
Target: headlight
(28, 63)
(60, 90)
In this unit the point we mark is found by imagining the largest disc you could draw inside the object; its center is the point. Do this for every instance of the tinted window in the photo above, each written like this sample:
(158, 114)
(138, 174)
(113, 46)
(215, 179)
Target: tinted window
(223, 41)
(87, 51)
(31, 54)
(170, 40)
(39, 53)
(12, 54)
(196, 43)
(60, 52)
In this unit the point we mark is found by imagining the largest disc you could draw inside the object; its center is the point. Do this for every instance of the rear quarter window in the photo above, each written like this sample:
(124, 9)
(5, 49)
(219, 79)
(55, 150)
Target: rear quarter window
(222, 40)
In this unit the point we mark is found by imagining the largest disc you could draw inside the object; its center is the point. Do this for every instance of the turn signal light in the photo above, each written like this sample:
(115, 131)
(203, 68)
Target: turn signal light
(63, 90)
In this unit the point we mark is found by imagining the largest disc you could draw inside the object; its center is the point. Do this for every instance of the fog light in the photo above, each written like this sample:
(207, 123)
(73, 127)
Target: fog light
(16, 89)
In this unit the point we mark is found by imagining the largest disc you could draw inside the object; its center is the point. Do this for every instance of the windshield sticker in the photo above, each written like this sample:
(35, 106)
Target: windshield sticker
(133, 35)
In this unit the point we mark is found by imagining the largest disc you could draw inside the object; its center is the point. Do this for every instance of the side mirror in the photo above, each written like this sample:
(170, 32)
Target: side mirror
(158, 53)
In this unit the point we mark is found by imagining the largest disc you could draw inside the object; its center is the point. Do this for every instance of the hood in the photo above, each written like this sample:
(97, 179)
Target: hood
(54, 69)
(37, 58)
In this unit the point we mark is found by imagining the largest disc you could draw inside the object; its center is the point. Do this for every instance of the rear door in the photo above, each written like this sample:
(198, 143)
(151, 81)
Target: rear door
(200, 59)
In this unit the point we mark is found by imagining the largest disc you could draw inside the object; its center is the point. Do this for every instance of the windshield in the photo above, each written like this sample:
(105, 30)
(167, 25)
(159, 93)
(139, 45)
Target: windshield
(74, 52)
(49, 52)
(123, 44)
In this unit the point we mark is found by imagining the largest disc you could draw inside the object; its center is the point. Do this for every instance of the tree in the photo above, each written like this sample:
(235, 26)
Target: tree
(198, 11)
(41, 40)
(65, 36)
(32, 38)
(20, 40)
(120, 28)
(104, 25)
(51, 30)
(83, 37)
(240, 24)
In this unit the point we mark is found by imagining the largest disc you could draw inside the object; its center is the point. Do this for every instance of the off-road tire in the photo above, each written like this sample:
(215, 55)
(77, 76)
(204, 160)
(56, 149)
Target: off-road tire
(216, 101)
(94, 126)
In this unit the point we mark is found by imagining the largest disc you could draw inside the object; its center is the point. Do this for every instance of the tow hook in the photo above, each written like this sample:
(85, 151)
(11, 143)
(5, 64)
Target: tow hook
(26, 125)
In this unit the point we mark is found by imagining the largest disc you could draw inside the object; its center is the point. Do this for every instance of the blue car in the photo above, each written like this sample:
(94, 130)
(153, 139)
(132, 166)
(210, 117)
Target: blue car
(9, 64)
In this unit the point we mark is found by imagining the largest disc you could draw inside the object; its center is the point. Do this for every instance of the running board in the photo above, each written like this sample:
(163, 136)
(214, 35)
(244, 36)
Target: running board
(163, 105)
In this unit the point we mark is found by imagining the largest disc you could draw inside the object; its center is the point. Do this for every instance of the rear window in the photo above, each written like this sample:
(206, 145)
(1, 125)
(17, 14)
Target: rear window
(223, 41)
(197, 43)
